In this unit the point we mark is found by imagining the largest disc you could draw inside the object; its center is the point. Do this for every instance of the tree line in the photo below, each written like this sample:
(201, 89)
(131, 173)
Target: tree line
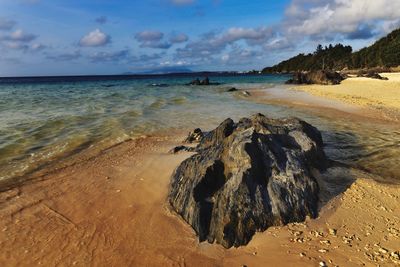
(383, 53)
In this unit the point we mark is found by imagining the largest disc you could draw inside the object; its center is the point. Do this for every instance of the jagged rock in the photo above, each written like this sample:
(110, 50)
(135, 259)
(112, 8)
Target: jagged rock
(194, 136)
(316, 77)
(248, 176)
(206, 81)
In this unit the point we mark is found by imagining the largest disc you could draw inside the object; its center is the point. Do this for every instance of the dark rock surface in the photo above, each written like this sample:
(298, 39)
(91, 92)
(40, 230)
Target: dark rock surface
(248, 176)
(206, 81)
(316, 77)
(194, 136)
(371, 74)
(233, 89)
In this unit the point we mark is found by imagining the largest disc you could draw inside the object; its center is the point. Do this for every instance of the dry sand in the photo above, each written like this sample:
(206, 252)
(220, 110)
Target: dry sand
(111, 210)
(381, 95)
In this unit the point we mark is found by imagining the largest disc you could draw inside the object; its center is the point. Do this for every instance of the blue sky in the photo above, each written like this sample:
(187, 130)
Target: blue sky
(55, 37)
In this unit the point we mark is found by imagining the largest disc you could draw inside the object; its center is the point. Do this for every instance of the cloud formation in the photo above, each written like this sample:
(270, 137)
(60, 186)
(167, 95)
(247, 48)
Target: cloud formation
(6, 24)
(19, 36)
(329, 18)
(214, 43)
(95, 38)
(152, 39)
(178, 38)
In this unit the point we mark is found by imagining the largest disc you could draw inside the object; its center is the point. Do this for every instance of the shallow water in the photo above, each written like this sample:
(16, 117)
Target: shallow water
(40, 122)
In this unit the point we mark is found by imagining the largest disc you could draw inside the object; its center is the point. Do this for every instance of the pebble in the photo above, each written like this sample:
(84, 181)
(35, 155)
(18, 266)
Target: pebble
(322, 264)
(395, 255)
(322, 250)
(383, 250)
(326, 242)
(302, 254)
(118, 191)
(332, 231)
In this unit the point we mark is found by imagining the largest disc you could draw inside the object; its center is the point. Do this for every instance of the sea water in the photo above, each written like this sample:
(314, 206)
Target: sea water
(47, 119)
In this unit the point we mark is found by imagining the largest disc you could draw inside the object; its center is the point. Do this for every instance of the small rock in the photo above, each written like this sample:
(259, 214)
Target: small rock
(322, 250)
(332, 231)
(245, 93)
(322, 264)
(302, 254)
(233, 89)
(395, 255)
(383, 250)
(118, 191)
(297, 233)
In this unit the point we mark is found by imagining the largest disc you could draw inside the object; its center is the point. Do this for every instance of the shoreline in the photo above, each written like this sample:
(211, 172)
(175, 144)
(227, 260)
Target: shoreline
(381, 96)
(111, 210)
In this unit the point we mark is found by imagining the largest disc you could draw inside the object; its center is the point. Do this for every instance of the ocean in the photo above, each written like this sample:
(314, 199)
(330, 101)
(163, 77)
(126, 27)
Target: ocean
(47, 119)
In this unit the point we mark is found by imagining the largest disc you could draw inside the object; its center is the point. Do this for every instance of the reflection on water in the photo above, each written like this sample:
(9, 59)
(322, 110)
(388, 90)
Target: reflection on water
(42, 122)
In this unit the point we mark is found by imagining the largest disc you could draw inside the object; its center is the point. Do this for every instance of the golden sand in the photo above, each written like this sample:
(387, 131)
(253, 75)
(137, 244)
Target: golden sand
(377, 94)
(111, 210)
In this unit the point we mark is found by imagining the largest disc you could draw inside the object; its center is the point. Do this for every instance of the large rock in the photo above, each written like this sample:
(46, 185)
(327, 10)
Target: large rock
(316, 77)
(248, 176)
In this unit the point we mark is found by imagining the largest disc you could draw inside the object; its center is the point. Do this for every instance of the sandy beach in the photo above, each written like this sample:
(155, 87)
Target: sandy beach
(185, 133)
(382, 96)
(110, 210)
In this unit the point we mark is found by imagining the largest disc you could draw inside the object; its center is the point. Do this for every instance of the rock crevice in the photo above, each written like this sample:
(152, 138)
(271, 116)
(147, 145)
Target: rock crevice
(248, 176)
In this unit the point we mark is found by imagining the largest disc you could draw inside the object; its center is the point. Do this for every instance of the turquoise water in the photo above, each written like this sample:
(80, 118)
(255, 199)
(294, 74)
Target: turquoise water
(41, 122)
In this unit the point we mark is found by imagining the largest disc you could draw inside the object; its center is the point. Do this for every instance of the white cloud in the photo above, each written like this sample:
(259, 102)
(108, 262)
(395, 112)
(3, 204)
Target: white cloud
(322, 18)
(94, 39)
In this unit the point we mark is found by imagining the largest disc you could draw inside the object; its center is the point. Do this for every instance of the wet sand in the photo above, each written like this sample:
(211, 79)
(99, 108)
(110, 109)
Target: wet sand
(110, 210)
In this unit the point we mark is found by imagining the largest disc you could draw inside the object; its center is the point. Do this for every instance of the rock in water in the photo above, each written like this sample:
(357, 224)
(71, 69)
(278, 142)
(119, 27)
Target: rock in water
(248, 176)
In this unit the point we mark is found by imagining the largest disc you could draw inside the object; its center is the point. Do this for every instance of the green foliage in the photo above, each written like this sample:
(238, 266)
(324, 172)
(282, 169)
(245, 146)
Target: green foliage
(384, 53)
(331, 57)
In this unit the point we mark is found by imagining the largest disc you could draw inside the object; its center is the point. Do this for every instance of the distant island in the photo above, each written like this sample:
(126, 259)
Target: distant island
(383, 54)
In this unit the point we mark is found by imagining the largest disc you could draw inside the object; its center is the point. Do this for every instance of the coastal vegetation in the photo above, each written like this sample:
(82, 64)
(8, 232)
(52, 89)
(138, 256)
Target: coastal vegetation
(385, 53)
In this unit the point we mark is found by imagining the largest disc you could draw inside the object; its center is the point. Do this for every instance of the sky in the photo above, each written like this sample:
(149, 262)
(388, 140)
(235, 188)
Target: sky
(95, 37)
